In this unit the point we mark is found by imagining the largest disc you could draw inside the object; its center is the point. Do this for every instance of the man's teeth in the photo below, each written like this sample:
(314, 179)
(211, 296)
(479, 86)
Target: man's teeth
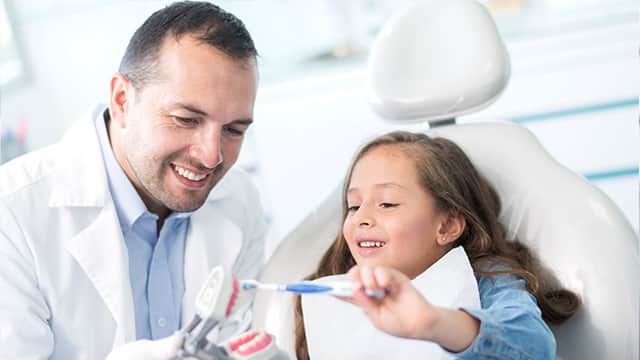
(368, 244)
(188, 174)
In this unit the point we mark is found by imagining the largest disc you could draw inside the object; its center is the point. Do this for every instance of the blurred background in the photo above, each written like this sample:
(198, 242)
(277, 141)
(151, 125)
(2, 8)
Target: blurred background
(574, 84)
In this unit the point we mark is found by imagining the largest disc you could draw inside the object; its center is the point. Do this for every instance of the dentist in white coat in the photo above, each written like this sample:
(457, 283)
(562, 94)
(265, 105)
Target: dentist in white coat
(106, 236)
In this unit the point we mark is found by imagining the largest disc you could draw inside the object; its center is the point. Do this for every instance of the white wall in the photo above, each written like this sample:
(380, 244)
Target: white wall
(577, 92)
(71, 49)
(308, 127)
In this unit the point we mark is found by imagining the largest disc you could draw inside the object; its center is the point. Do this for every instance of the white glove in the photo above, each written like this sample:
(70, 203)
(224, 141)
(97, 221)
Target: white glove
(163, 349)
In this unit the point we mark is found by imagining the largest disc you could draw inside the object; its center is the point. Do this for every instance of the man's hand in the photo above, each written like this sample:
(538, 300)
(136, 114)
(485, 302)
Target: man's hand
(163, 349)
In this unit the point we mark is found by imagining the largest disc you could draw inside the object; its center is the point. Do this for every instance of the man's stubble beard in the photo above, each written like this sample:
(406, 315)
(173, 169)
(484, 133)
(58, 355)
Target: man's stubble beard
(152, 182)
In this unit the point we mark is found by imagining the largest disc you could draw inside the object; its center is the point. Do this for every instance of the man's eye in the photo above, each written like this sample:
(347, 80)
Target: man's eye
(353, 208)
(186, 121)
(388, 205)
(233, 131)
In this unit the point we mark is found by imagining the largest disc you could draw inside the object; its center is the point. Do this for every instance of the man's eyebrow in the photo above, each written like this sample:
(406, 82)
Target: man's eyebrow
(245, 122)
(189, 107)
(196, 110)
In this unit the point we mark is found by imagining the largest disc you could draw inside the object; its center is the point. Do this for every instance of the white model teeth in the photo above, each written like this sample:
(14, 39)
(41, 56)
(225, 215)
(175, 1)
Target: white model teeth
(258, 338)
(188, 174)
(370, 244)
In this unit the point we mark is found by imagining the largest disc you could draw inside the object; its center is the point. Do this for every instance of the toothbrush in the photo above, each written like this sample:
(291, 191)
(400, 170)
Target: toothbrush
(335, 288)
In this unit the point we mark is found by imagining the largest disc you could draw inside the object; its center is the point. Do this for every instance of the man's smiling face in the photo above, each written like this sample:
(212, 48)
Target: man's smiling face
(182, 132)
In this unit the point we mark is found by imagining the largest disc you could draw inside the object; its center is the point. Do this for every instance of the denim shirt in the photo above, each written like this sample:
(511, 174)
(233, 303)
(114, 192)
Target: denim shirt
(511, 325)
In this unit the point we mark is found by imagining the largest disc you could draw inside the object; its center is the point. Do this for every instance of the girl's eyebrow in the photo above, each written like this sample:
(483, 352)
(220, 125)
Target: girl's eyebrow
(380, 185)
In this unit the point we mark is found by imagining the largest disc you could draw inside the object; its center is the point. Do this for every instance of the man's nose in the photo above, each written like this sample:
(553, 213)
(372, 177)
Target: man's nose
(208, 149)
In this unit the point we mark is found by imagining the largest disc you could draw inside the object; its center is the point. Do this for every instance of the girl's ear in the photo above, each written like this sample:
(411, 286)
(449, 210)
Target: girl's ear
(451, 227)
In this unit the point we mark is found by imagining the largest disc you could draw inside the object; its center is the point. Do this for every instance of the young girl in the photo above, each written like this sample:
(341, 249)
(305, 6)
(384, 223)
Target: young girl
(408, 199)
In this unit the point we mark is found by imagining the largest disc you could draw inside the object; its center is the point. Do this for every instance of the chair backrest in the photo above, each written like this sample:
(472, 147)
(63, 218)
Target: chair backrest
(296, 256)
(574, 228)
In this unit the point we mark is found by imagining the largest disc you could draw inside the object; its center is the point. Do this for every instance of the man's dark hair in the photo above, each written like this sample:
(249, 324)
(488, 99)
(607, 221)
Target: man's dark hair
(204, 21)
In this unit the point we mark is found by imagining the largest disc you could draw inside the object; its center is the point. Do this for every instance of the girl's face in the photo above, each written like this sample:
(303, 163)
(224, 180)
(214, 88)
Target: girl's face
(392, 220)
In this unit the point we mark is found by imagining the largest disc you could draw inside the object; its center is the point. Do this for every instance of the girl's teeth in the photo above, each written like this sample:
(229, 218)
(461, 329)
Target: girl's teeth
(368, 244)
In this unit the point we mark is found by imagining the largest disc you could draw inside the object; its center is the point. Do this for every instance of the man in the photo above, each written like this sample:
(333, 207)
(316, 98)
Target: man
(106, 237)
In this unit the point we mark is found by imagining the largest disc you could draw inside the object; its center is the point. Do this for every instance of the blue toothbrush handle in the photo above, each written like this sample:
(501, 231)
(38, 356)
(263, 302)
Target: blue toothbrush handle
(306, 288)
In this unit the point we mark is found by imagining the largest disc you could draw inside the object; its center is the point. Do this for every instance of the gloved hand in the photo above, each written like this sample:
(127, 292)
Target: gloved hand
(163, 349)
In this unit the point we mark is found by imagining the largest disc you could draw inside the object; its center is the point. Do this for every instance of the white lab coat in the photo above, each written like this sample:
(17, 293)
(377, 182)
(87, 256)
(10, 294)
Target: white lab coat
(64, 279)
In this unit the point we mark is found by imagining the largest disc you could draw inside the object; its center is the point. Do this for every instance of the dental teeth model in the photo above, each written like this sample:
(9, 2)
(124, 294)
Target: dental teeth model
(254, 345)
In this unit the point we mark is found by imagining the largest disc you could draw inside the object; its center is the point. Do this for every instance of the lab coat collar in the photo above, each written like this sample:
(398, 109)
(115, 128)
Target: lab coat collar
(213, 239)
(100, 251)
(99, 248)
(81, 180)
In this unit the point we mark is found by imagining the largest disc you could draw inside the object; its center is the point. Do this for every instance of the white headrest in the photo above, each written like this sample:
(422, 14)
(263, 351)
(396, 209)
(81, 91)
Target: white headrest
(436, 60)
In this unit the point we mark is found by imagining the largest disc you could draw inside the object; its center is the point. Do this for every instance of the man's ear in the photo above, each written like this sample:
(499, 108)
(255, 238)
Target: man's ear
(122, 94)
(451, 228)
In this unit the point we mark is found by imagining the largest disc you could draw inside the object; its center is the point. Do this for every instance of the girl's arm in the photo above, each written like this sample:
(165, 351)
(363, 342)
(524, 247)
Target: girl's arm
(509, 325)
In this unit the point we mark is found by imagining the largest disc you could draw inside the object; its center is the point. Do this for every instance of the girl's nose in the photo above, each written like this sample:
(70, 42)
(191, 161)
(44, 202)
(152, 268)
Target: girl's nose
(364, 219)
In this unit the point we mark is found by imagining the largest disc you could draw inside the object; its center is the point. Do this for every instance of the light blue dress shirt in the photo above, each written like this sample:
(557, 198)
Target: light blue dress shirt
(156, 261)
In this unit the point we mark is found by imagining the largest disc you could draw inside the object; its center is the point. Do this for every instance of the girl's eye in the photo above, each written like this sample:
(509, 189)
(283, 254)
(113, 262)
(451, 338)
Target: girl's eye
(388, 205)
(353, 208)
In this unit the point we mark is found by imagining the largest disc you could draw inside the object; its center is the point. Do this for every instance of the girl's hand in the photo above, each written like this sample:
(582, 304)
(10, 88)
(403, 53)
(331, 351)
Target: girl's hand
(403, 311)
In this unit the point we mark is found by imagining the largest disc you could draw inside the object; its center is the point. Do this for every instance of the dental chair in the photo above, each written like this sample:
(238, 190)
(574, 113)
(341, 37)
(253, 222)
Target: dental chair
(435, 61)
